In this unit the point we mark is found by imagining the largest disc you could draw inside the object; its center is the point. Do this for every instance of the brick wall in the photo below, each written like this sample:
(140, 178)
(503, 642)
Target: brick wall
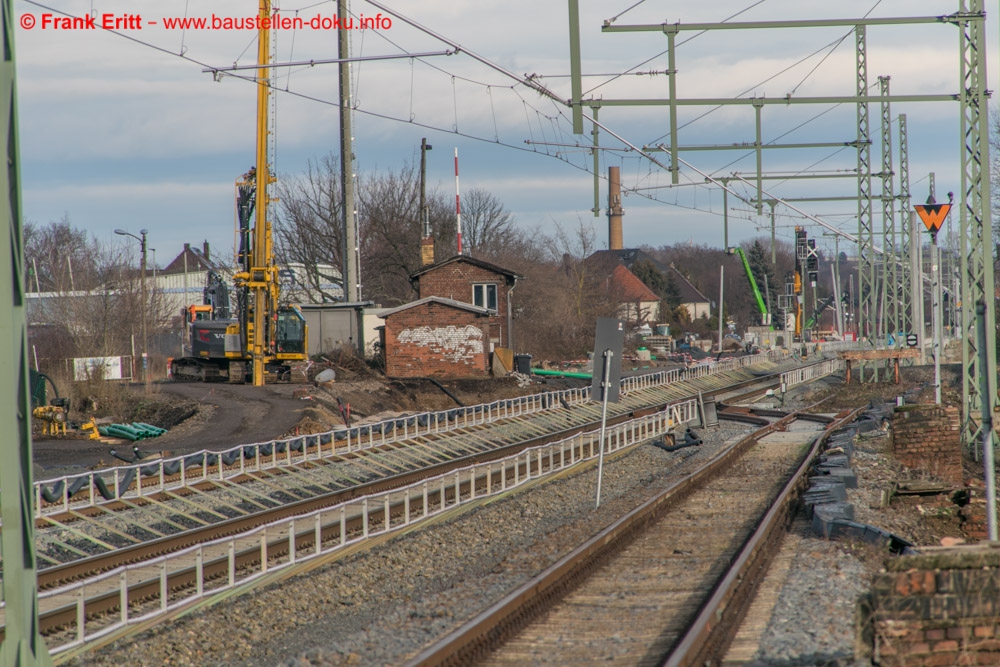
(436, 340)
(454, 281)
(927, 437)
(938, 609)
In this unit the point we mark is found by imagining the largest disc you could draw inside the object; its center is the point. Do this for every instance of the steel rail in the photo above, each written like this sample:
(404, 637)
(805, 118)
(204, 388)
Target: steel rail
(374, 515)
(481, 635)
(207, 570)
(54, 576)
(713, 630)
(142, 478)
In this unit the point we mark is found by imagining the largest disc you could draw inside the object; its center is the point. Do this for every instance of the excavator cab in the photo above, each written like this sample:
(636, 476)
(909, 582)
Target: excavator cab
(290, 333)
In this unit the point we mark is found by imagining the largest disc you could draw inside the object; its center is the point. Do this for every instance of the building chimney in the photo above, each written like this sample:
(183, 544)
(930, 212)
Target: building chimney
(204, 248)
(615, 212)
(427, 250)
(187, 247)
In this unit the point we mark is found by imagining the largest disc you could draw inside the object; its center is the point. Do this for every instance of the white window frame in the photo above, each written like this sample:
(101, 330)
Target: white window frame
(483, 291)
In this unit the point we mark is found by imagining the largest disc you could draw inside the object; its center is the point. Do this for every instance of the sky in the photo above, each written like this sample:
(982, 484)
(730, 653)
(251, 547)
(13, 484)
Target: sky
(125, 130)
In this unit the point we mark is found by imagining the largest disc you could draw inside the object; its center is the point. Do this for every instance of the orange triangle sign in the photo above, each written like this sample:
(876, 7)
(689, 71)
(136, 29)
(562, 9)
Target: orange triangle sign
(933, 215)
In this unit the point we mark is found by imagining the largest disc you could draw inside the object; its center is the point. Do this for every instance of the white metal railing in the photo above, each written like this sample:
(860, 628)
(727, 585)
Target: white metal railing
(87, 489)
(659, 378)
(433, 496)
(811, 372)
(138, 479)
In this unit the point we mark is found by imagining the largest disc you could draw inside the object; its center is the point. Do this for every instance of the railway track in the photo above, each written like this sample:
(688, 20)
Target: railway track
(151, 587)
(666, 584)
(166, 514)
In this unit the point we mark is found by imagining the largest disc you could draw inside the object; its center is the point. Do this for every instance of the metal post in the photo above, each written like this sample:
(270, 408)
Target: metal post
(725, 215)
(576, 81)
(936, 314)
(424, 214)
(604, 422)
(774, 256)
(142, 281)
(839, 322)
(22, 644)
(721, 285)
(987, 427)
(347, 164)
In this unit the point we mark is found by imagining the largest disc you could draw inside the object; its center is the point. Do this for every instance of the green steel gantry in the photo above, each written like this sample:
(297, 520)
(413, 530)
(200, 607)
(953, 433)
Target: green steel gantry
(22, 645)
(976, 245)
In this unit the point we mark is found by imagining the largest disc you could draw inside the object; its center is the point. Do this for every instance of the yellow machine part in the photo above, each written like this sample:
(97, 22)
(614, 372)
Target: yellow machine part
(53, 419)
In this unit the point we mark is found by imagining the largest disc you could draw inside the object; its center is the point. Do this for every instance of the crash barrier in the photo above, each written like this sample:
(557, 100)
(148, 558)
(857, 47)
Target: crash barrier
(123, 482)
(346, 524)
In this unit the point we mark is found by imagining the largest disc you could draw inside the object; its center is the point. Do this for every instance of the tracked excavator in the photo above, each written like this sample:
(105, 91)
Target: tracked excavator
(264, 337)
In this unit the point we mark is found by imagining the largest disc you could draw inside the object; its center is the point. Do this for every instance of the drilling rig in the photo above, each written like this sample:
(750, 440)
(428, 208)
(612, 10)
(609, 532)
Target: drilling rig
(265, 336)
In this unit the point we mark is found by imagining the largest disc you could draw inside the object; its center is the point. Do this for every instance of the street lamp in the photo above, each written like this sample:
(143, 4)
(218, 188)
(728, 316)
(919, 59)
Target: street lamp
(142, 279)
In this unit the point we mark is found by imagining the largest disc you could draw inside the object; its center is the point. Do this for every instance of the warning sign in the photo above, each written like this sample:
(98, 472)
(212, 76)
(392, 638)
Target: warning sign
(933, 215)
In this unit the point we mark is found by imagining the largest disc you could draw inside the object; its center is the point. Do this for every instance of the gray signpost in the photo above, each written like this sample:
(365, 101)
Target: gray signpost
(608, 343)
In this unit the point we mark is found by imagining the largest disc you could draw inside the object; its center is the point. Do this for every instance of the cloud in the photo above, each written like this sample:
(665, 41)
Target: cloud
(114, 132)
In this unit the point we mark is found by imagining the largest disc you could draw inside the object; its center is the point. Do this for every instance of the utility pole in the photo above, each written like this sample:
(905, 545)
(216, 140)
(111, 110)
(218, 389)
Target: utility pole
(722, 270)
(142, 281)
(350, 273)
(424, 213)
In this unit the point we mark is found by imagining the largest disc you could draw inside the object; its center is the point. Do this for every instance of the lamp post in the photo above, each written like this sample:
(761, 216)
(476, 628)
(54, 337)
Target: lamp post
(142, 280)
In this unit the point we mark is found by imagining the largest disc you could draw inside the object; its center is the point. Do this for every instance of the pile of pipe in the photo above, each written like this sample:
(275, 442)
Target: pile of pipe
(134, 431)
(826, 499)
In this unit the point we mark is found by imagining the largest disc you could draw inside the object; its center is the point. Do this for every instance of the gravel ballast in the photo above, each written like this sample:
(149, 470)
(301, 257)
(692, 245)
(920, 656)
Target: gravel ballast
(380, 606)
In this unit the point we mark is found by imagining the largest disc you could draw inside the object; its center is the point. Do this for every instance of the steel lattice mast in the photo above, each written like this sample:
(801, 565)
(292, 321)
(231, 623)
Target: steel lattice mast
(910, 320)
(866, 259)
(22, 645)
(890, 274)
(975, 221)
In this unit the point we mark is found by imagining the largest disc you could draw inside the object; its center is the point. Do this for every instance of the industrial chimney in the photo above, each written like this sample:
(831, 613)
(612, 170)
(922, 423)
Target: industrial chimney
(615, 241)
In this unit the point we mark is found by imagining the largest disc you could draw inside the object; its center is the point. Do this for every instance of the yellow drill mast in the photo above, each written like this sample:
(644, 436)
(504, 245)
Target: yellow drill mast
(262, 276)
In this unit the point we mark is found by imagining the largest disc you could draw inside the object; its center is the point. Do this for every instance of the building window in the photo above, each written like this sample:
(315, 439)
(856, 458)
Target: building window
(485, 296)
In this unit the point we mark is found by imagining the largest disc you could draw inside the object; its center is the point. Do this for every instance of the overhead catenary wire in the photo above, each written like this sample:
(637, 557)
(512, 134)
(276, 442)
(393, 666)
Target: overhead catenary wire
(558, 120)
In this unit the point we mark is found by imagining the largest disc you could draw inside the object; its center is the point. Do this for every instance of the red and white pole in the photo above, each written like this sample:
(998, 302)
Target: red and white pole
(458, 206)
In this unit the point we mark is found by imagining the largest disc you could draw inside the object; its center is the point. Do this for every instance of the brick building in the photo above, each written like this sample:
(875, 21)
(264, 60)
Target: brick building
(472, 281)
(436, 337)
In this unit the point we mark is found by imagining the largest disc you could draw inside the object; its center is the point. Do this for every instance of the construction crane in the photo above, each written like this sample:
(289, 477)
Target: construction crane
(265, 336)
(765, 317)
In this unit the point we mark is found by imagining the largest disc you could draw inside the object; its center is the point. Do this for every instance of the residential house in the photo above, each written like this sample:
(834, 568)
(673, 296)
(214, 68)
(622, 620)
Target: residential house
(696, 303)
(638, 303)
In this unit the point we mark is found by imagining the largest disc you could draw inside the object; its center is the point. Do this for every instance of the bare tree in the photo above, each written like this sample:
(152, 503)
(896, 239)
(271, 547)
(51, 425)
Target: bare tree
(308, 227)
(58, 257)
(487, 225)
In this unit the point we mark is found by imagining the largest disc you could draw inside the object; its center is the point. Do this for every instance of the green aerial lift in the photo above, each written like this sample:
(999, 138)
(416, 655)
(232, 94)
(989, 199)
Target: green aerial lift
(765, 317)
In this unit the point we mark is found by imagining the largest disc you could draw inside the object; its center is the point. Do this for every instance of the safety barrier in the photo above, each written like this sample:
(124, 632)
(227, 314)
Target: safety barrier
(811, 372)
(86, 489)
(140, 479)
(432, 496)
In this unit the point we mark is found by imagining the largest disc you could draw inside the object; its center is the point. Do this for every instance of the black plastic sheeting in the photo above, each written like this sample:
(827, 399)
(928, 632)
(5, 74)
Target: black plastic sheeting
(104, 484)
(826, 499)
